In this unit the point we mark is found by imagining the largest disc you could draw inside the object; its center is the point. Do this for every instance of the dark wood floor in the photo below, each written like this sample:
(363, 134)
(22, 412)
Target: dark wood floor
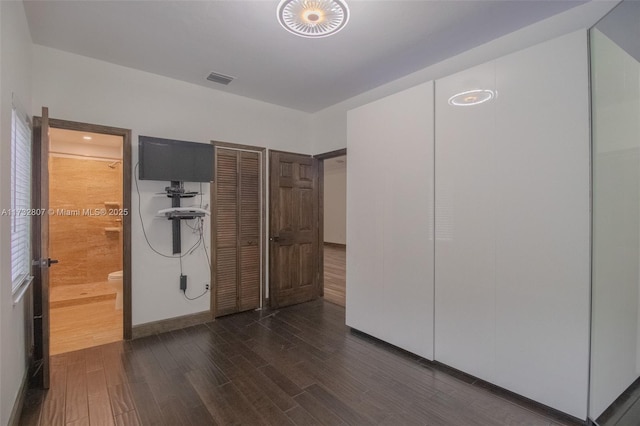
(335, 274)
(299, 365)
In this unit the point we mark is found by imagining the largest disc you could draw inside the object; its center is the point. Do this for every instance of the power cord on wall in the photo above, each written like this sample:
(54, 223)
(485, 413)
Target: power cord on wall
(199, 228)
(206, 290)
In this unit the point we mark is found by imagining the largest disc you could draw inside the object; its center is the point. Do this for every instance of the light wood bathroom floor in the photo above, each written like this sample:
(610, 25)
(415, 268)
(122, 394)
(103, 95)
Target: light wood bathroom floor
(83, 316)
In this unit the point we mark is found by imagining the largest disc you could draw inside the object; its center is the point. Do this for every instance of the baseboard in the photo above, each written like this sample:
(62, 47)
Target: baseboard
(336, 245)
(170, 324)
(506, 394)
(523, 401)
(14, 419)
(621, 406)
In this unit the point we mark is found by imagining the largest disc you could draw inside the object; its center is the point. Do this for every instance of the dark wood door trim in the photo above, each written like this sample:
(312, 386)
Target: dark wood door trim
(263, 220)
(321, 226)
(39, 238)
(321, 158)
(126, 204)
(331, 154)
(277, 151)
(237, 146)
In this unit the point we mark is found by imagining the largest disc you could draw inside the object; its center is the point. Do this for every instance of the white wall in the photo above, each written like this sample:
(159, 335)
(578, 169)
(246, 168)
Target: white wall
(15, 77)
(329, 126)
(390, 219)
(335, 205)
(616, 221)
(82, 89)
(513, 224)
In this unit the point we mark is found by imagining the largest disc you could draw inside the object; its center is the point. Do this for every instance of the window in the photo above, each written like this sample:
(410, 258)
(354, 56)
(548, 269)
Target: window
(20, 214)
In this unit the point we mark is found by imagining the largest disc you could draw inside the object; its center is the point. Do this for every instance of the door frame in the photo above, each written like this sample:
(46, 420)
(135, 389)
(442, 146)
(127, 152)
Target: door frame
(321, 158)
(263, 221)
(126, 204)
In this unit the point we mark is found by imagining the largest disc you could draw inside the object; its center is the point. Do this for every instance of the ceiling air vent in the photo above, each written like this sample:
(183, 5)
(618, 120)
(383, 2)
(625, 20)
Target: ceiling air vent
(220, 78)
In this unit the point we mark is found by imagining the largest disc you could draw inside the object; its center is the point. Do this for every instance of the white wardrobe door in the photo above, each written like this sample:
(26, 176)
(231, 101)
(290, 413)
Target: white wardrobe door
(364, 288)
(390, 219)
(465, 228)
(408, 218)
(616, 217)
(512, 224)
(542, 216)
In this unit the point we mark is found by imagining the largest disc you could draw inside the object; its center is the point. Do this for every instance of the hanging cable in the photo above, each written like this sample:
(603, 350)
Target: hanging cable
(194, 298)
(144, 232)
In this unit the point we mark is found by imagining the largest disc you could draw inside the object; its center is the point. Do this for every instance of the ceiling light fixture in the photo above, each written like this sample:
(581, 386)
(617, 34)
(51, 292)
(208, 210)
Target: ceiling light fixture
(87, 138)
(472, 97)
(313, 18)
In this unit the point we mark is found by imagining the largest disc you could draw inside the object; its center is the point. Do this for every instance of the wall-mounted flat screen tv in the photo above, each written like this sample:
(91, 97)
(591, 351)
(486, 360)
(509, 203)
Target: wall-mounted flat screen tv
(172, 160)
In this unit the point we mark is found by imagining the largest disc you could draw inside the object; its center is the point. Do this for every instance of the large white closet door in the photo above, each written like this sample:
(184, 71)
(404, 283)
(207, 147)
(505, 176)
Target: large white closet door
(390, 219)
(465, 228)
(542, 217)
(512, 228)
(615, 96)
(365, 201)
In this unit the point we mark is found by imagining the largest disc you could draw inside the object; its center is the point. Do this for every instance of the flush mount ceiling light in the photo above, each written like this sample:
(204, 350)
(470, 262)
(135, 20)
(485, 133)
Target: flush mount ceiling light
(313, 18)
(472, 97)
(87, 138)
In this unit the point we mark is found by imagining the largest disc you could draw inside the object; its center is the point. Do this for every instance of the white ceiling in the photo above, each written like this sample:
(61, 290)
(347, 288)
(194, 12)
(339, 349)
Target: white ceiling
(186, 40)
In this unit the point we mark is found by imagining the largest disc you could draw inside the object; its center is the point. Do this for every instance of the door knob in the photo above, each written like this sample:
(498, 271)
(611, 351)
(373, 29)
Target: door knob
(274, 239)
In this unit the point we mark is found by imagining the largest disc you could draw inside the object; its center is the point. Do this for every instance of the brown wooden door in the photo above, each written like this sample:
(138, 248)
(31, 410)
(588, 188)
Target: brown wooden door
(40, 246)
(293, 230)
(236, 234)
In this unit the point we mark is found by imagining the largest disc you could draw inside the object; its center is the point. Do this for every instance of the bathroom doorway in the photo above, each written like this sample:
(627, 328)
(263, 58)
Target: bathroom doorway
(87, 214)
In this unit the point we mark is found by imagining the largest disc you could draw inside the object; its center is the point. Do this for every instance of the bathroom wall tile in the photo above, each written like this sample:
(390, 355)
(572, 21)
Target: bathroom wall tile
(87, 252)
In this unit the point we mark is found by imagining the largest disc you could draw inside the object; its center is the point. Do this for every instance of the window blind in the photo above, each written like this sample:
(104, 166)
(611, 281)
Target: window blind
(20, 198)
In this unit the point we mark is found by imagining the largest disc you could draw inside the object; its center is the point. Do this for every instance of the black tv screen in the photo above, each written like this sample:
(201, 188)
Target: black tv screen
(171, 160)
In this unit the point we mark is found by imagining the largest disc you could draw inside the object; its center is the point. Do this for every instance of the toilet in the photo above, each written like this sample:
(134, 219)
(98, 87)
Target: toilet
(114, 280)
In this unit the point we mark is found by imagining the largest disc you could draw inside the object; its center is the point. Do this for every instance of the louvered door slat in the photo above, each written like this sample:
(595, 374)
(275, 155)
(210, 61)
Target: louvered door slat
(249, 281)
(249, 277)
(237, 232)
(226, 229)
